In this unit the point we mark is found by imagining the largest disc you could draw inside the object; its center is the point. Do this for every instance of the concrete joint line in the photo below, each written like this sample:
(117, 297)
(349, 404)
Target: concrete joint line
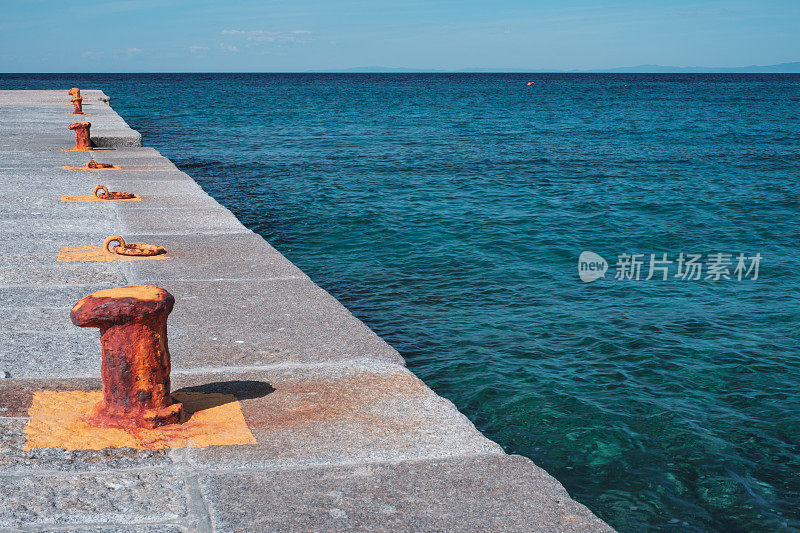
(363, 364)
(172, 468)
(345, 464)
(210, 280)
(197, 506)
(353, 365)
(77, 526)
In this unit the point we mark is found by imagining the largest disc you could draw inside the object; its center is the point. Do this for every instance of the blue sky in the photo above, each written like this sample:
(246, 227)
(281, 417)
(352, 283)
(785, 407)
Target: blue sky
(302, 35)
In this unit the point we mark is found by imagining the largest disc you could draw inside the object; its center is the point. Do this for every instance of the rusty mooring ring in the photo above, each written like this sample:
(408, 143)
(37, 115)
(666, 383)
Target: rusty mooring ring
(123, 248)
(111, 195)
(95, 165)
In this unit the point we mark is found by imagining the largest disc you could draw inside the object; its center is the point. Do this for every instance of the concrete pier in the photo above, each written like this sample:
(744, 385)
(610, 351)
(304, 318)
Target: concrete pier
(345, 436)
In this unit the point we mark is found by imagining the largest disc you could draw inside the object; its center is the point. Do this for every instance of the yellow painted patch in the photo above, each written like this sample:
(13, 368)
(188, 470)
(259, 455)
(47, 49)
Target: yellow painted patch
(93, 198)
(98, 253)
(57, 421)
(140, 292)
(67, 167)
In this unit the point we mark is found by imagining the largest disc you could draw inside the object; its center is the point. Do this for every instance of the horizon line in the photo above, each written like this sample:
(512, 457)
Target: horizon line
(409, 71)
(775, 68)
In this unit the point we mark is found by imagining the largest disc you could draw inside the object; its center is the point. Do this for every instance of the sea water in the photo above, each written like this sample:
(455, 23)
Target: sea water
(448, 212)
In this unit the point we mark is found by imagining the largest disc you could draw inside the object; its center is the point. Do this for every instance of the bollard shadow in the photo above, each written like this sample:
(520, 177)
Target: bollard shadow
(223, 392)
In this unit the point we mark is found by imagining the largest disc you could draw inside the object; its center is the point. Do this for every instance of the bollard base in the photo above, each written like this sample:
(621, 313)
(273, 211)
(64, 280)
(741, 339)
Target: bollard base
(105, 166)
(102, 415)
(59, 420)
(93, 198)
(67, 254)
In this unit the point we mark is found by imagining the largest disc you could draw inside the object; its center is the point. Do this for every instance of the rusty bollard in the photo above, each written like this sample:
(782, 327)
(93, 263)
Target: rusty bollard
(78, 103)
(135, 356)
(82, 139)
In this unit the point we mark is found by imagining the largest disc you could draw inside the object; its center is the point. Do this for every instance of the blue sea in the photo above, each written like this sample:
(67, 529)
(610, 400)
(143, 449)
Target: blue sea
(448, 212)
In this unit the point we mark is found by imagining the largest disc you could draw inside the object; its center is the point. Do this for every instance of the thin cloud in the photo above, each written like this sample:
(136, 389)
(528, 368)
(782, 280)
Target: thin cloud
(197, 49)
(133, 50)
(276, 37)
(228, 48)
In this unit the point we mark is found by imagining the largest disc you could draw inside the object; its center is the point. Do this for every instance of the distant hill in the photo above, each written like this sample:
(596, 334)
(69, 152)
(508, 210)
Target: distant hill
(378, 70)
(785, 68)
(779, 68)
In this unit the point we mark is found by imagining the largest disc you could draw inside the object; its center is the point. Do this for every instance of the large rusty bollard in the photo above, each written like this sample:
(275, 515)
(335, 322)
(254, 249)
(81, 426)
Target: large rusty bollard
(135, 356)
(82, 139)
(78, 104)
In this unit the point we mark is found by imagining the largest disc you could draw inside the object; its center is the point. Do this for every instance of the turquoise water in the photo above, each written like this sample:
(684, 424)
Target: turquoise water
(448, 212)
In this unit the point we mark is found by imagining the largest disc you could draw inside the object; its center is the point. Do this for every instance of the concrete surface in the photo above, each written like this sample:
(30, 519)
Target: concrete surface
(348, 438)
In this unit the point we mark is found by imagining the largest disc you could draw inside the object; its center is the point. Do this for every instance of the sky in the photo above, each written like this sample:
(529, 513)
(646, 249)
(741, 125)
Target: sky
(308, 35)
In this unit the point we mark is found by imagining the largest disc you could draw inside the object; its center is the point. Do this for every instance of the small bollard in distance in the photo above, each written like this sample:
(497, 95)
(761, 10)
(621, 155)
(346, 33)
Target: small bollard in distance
(78, 103)
(82, 139)
(135, 356)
